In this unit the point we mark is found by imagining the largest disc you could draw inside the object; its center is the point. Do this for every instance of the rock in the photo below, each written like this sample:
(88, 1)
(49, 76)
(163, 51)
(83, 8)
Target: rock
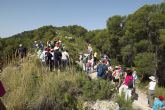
(101, 105)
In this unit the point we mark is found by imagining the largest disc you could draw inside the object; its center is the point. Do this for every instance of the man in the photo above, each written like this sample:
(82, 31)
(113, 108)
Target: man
(57, 57)
(21, 51)
(49, 60)
(158, 104)
(101, 69)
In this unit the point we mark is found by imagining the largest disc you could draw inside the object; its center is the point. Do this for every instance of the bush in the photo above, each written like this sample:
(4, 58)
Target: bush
(33, 88)
(97, 89)
(159, 91)
(124, 104)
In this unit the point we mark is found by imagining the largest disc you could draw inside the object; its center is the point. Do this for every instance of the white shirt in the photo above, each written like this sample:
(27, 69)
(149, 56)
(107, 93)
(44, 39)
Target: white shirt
(152, 85)
(65, 55)
(42, 56)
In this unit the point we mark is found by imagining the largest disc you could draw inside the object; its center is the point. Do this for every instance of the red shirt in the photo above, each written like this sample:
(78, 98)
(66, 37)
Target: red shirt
(127, 79)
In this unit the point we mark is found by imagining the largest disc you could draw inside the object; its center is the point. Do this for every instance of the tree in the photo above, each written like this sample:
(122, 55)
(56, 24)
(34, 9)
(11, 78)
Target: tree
(115, 25)
(145, 63)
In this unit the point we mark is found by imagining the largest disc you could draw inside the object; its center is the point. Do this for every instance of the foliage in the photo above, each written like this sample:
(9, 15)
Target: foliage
(124, 104)
(32, 87)
(159, 91)
(145, 63)
(97, 89)
(124, 36)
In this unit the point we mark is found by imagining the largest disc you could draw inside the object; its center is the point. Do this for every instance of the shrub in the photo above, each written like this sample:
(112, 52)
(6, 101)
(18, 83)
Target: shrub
(159, 91)
(97, 89)
(33, 88)
(124, 104)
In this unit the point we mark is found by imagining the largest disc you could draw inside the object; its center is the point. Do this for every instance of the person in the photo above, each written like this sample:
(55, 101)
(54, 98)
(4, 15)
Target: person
(102, 68)
(57, 57)
(127, 85)
(95, 58)
(21, 52)
(2, 93)
(49, 60)
(89, 50)
(151, 90)
(41, 45)
(85, 60)
(65, 58)
(43, 57)
(134, 74)
(158, 103)
(116, 76)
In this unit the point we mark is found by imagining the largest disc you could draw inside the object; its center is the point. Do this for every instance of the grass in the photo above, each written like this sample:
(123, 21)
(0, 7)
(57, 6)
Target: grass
(159, 91)
(124, 104)
(34, 88)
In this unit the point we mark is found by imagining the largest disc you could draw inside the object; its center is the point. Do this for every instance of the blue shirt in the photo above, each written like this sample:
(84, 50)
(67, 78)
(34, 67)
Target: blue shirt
(158, 104)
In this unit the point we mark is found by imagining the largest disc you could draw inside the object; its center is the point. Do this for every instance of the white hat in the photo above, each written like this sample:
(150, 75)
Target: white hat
(56, 48)
(152, 78)
(20, 45)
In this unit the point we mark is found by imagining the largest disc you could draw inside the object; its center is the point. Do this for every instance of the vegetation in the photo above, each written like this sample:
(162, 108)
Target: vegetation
(37, 88)
(159, 91)
(124, 104)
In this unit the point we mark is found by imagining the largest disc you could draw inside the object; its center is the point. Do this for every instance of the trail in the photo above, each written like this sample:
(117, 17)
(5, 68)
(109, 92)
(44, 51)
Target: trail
(140, 104)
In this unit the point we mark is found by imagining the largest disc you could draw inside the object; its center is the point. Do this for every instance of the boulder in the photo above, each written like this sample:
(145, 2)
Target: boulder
(100, 105)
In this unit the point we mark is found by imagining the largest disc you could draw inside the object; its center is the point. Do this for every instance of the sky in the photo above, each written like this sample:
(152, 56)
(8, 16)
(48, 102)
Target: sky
(17, 16)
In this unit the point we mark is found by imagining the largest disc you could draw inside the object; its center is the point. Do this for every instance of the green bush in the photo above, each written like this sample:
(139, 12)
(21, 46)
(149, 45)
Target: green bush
(33, 88)
(97, 89)
(159, 91)
(124, 104)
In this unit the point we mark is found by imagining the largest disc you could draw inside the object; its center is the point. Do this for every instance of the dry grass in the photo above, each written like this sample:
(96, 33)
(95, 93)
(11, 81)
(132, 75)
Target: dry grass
(30, 87)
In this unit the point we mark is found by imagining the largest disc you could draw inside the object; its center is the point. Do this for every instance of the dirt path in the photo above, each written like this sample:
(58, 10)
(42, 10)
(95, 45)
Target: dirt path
(141, 103)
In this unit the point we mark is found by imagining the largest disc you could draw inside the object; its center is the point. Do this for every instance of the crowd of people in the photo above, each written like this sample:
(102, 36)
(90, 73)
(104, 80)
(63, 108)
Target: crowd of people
(124, 78)
(53, 56)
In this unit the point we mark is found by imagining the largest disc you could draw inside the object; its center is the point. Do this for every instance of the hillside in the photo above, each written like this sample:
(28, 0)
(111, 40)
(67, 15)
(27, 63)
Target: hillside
(126, 40)
(31, 87)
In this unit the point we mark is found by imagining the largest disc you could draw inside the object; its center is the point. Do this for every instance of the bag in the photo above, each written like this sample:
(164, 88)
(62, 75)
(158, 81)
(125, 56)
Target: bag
(130, 83)
(2, 89)
(100, 70)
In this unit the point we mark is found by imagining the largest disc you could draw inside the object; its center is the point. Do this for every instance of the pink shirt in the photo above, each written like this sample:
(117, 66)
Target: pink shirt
(126, 80)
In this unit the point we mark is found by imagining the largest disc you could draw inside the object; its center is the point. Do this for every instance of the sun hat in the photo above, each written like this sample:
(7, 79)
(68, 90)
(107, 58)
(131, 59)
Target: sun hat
(161, 98)
(20, 45)
(116, 67)
(152, 78)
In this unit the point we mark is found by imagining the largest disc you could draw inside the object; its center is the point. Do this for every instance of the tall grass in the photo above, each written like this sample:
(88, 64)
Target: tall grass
(159, 91)
(124, 104)
(34, 88)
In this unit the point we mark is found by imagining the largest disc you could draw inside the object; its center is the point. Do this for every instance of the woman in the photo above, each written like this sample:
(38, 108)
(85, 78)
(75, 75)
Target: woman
(151, 90)
(127, 85)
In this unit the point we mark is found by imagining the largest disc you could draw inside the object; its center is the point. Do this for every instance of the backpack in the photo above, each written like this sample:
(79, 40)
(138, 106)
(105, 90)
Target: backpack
(100, 70)
(130, 83)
